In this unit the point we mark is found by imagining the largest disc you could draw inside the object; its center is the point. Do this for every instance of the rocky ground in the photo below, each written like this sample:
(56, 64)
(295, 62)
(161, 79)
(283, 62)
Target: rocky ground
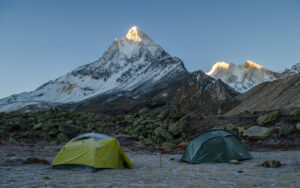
(150, 129)
(29, 142)
(26, 165)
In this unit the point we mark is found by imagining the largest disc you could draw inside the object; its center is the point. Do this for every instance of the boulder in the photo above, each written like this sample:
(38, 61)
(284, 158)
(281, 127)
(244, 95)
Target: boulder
(37, 126)
(167, 136)
(245, 112)
(230, 127)
(61, 137)
(295, 113)
(69, 129)
(143, 111)
(286, 130)
(175, 114)
(12, 140)
(29, 134)
(141, 137)
(177, 128)
(162, 132)
(158, 131)
(53, 132)
(241, 131)
(160, 117)
(53, 143)
(44, 135)
(147, 141)
(164, 125)
(298, 126)
(48, 126)
(267, 118)
(257, 132)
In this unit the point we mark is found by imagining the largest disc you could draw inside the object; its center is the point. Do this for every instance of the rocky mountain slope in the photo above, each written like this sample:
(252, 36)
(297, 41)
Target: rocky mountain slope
(133, 72)
(242, 77)
(191, 92)
(279, 94)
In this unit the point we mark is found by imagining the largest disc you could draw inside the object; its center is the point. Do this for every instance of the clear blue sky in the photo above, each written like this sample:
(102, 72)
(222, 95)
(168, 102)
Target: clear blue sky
(41, 40)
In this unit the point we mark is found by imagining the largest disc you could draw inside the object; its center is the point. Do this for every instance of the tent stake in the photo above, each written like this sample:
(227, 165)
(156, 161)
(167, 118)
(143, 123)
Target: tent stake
(160, 153)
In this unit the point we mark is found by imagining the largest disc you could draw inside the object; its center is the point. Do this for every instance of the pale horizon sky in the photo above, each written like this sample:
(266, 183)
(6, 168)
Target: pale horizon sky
(42, 40)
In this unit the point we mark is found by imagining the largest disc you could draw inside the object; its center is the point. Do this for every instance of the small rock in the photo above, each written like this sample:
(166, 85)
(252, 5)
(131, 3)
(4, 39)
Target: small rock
(234, 162)
(45, 177)
(172, 158)
(240, 171)
(271, 164)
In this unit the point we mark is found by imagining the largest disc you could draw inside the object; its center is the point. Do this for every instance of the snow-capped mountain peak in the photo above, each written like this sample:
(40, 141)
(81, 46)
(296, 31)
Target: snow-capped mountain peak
(135, 61)
(241, 77)
(136, 35)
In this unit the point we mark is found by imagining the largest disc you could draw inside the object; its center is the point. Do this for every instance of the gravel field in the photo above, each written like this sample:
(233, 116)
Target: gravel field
(147, 171)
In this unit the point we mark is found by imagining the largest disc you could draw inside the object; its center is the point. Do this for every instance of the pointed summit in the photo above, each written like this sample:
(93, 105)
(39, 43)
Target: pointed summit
(136, 35)
(133, 34)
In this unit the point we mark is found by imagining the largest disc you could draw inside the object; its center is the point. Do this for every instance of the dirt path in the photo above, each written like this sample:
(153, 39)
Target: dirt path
(147, 172)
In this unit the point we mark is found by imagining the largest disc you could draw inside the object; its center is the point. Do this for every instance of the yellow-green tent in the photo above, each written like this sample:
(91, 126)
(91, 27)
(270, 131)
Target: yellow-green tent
(93, 150)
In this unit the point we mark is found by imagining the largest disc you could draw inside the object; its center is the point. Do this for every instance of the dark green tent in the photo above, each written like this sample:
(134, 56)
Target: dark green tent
(215, 145)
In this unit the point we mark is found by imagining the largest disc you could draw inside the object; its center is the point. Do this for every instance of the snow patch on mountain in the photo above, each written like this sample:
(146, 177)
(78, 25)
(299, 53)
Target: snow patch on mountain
(295, 69)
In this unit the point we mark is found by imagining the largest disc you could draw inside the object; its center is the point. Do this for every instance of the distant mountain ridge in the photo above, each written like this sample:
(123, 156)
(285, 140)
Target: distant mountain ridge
(244, 77)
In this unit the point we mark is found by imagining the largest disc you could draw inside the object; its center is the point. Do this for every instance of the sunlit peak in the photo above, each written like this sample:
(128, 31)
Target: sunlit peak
(252, 64)
(133, 34)
(218, 65)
